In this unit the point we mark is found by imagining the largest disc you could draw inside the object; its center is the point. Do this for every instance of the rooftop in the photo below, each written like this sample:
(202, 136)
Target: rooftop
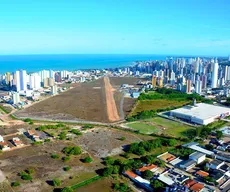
(131, 174)
(197, 187)
(202, 173)
(148, 167)
(189, 183)
(202, 110)
(165, 179)
(197, 155)
(216, 162)
(188, 163)
(202, 150)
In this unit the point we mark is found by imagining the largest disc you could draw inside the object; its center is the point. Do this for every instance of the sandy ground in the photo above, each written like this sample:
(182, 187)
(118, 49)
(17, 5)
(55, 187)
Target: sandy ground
(110, 102)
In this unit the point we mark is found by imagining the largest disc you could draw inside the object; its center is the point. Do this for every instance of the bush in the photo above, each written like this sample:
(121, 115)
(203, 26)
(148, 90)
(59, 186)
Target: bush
(122, 138)
(55, 156)
(56, 182)
(76, 132)
(122, 187)
(27, 120)
(67, 168)
(65, 159)
(62, 135)
(147, 174)
(25, 176)
(88, 126)
(15, 184)
(72, 150)
(87, 160)
(47, 140)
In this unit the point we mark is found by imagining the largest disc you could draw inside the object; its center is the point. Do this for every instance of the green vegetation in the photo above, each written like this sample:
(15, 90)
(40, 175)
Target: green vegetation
(57, 126)
(87, 160)
(62, 135)
(87, 126)
(121, 187)
(56, 182)
(147, 174)
(75, 150)
(67, 189)
(28, 120)
(55, 156)
(25, 176)
(181, 152)
(37, 143)
(76, 132)
(47, 140)
(4, 109)
(142, 127)
(162, 126)
(65, 159)
(171, 99)
(91, 180)
(67, 168)
(15, 184)
(122, 138)
(29, 171)
(219, 134)
(157, 185)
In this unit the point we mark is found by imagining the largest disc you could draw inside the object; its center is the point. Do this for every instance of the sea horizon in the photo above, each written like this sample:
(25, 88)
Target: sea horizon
(71, 62)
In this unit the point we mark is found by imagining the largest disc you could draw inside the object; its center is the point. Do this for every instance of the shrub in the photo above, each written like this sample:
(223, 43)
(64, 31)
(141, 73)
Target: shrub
(65, 159)
(76, 132)
(15, 184)
(67, 168)
(56, 182)
(25, 176)
(55, 156)
(122, 138)
(30, 171)
(87, 160)
(72, 150)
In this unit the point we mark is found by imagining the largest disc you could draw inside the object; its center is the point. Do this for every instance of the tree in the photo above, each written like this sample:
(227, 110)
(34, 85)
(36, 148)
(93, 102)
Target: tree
(108, 161)
(25, 176)
(65, 159)
(67, 189)
(15, 184)
(219, 134)
(107, 171)
(55, 156)
(116, 169)
(56, 182)
(209, 147)
(67, 168)
(147, 174)
(87, 160)
(72, 150)
(157, 184)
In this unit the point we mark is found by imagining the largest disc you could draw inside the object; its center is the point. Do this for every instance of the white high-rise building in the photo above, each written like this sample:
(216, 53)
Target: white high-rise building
(44, 74)
(54, 90)
(35, 81)
(21, 80)
(215, 74)
(16, 98)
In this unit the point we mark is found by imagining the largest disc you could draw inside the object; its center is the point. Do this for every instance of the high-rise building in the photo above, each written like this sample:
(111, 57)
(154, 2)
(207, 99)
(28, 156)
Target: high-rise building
(154, 81)
(160, 84)
(188, 86)
(21, 80)
(54, 90)
(215, 74)
(16, 97)
(35, 81)
(8, 78)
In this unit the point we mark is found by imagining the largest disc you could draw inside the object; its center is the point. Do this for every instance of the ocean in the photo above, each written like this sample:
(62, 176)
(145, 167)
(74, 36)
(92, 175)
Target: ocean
(33, 63)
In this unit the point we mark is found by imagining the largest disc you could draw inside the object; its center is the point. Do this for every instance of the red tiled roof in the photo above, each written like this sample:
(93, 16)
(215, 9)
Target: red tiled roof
(131, 174)
(189, 183)
(202, 173)
(197, 187)
(31, 132)
(149, 167)
(3, 143)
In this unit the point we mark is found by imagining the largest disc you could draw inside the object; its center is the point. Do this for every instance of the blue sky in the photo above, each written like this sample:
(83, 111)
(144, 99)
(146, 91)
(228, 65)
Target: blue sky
(179, 27)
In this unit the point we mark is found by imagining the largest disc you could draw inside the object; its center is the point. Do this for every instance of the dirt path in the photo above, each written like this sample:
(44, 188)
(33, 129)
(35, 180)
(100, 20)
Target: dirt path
(110, 102)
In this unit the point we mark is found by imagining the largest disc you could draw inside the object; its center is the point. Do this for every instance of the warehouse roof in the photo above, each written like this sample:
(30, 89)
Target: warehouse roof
(202, 110)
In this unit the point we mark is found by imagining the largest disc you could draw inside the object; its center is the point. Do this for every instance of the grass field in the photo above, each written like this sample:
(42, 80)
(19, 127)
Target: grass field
(143, 105)
(142, 127)
(160, 125)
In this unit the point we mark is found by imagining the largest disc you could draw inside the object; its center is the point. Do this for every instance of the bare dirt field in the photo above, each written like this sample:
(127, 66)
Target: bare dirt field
(97, 142)
(82, 102)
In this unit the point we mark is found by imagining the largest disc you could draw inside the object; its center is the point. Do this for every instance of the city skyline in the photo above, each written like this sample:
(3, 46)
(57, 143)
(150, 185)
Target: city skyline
(130, 27)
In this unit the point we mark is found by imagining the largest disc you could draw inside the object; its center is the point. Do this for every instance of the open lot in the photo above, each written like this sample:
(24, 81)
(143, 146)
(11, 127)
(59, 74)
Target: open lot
(86, 101)
(160, 126)
(82, 102)
(96, 142)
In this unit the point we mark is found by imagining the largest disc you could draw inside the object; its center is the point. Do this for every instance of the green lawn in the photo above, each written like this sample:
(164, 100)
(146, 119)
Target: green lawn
(142, 127)
(160, 125)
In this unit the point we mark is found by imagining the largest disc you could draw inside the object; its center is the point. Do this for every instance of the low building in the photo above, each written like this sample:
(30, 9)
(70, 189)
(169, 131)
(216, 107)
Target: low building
(202, 174)
(166, 179)
(188, 164)
(17, 142)
(215, 164)
(201, 113)
(195, 146)
(4, 146)
(197, 157)
(139, 180)
(33, 135)
(151, 167)
(193, 185)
